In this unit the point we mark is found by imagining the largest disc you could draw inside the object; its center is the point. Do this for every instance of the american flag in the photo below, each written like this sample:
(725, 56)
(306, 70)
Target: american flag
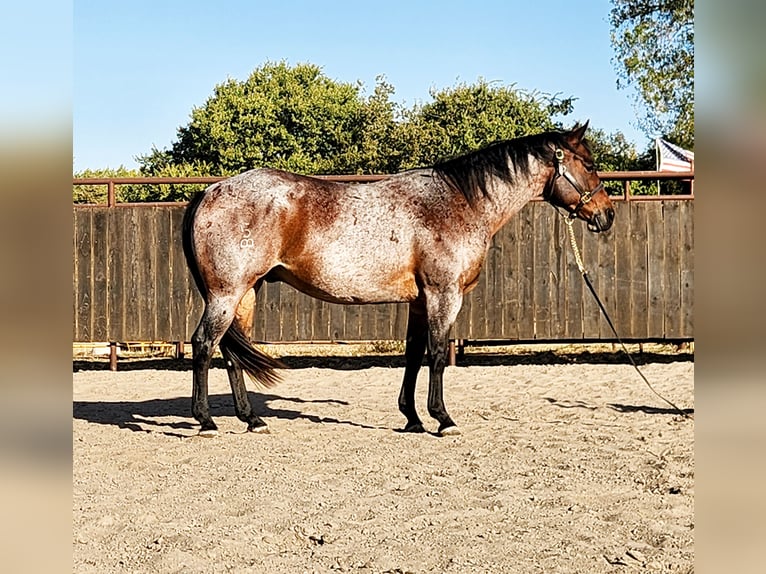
(670, 157)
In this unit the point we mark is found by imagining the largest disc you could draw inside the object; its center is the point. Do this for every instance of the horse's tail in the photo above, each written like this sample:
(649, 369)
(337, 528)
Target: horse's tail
(260, 367)
(187, 239)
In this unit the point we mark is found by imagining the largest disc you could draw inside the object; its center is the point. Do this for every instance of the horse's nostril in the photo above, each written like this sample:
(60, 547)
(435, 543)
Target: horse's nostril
(603, 220)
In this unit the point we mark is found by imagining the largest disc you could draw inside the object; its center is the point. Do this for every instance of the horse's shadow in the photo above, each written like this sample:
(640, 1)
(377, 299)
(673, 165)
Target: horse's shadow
(146, 416)
(142, 416)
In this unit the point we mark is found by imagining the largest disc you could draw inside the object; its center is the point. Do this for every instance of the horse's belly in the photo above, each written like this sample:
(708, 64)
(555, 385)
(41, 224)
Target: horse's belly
(346, 285)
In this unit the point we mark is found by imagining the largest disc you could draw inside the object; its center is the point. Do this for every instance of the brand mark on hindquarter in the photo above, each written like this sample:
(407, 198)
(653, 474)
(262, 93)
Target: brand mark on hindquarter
(246, 240)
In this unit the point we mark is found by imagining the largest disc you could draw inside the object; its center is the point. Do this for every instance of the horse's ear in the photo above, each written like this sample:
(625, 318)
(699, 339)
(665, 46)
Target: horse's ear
(578, 133)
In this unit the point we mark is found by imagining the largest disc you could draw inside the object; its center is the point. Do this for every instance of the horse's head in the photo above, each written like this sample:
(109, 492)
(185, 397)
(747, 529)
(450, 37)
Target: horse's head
(575, 185)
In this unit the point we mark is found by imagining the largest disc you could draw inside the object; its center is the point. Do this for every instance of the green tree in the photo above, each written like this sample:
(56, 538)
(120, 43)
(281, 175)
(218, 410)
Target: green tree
(91, 193)
(140, 192)
(469, 116)
(613, 152)
(654, 45)
(293, 118)
(297, 119)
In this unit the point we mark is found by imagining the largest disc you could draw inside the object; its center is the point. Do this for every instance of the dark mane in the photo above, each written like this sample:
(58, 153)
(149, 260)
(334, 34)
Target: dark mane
(506, 159)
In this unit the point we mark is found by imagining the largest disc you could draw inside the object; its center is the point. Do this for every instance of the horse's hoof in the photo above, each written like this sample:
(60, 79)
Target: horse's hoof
(449, 431)
(260, 429)
(416, 428)
(208, 433)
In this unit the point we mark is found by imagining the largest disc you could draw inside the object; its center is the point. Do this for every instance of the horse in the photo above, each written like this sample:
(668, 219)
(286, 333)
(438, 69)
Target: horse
(418, 237)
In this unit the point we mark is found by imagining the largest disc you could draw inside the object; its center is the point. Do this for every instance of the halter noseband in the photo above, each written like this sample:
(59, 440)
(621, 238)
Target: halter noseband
(561, 171)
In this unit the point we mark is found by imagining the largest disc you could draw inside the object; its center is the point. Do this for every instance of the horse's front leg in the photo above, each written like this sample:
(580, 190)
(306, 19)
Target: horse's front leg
(442, 312)
(415, 349)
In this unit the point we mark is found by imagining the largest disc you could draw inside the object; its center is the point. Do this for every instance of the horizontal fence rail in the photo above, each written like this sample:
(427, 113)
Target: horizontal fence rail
(131, 282)
(624, 176)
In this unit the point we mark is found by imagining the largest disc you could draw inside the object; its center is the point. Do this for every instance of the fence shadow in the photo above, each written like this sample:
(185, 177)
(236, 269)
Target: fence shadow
(578, 404)
(361, 362)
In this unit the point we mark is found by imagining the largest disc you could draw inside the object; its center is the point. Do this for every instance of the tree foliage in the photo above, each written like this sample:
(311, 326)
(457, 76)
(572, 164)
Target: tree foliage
(654, 44)
(296, 118)
(91, 193)
(467, 117)
(139, 192)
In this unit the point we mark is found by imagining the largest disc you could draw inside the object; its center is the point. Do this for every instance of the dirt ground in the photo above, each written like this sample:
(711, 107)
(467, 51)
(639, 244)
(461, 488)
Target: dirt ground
(566, 463)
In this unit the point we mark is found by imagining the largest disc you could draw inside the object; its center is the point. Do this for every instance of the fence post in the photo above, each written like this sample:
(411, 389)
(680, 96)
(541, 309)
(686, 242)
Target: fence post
(112, 356)
(110, 198)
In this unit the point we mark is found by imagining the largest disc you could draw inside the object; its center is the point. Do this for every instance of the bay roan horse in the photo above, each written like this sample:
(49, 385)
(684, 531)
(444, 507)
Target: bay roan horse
(418, 237)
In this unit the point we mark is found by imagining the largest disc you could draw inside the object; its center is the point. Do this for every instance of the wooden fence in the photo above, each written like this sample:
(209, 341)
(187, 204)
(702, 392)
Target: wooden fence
(131, 282)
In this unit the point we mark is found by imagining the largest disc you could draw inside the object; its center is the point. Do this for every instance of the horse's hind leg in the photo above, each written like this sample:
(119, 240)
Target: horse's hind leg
(243, 320)
(218, 315)
(415, 349)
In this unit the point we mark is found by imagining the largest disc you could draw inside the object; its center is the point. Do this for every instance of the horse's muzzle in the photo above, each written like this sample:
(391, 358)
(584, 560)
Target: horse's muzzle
(601, 220)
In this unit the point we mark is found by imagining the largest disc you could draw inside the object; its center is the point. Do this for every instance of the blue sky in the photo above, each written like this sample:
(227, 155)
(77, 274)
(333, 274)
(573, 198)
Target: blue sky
(140, 67)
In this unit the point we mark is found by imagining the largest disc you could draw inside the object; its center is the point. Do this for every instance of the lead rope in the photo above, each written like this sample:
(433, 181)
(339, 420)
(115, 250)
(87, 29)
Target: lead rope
(584, 272)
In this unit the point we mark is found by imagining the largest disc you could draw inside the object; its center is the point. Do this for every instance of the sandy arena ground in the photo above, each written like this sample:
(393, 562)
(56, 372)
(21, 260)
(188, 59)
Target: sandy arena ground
(567, 463)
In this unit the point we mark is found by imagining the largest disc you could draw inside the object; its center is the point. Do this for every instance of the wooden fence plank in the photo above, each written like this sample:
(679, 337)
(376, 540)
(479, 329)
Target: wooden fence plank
(621, 236)
(574, 287)
(655, 243)
(381, 319)
(607, 243)
(303, 319)
(541, 271)
(671, 271)
(133, 270)
(686, 265)
(179, 279)
(163, 277)
(100, 306)
(337, 322)
(75, 274)
(558, 262)
(272, 303)
(352, 324)
(495, 287)
(510, 238)
(116, 275)
(590, 251)
(84, 254)
(131, 282)
(638, 260)
(320, 330)
(526, 272)
(147, 274)
(288, 301)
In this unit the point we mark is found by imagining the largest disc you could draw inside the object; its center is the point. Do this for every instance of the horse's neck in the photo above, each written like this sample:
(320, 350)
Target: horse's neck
(507, 199)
